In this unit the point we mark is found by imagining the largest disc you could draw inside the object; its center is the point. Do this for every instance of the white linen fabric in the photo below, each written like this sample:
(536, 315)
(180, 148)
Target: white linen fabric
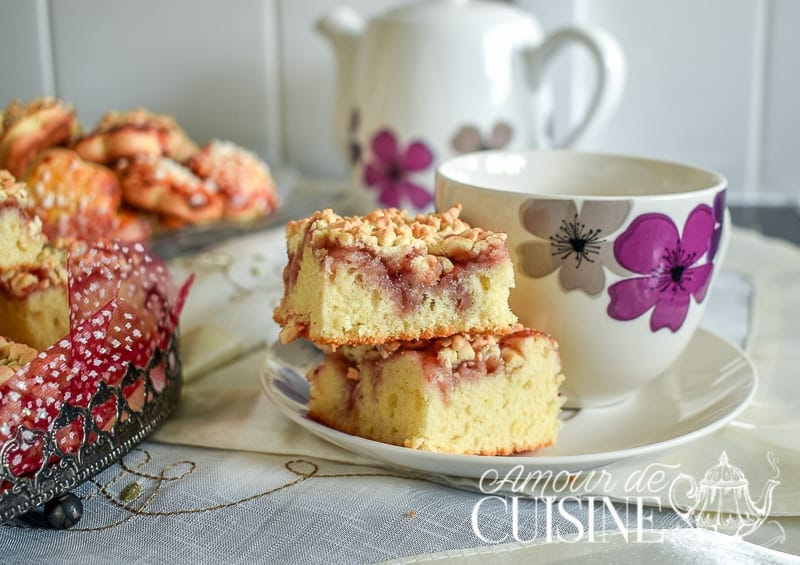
(750, 306)
(227, 477)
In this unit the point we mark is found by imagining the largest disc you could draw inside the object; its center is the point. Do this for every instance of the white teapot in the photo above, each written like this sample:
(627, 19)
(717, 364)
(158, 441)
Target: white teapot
(435, 78)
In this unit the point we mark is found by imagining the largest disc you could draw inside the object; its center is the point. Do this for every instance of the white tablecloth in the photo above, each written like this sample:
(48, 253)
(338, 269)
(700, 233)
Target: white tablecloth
(228, 477)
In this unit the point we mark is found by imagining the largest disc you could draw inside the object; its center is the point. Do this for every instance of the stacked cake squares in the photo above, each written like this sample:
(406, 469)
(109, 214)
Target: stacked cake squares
(423, 350)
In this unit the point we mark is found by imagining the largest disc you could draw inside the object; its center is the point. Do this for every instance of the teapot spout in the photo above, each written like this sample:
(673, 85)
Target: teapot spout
(344, 28)
(764, 504)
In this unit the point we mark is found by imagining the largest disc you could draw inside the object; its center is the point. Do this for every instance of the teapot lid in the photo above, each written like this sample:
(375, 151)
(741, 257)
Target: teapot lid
(724, 474)
(427, 11)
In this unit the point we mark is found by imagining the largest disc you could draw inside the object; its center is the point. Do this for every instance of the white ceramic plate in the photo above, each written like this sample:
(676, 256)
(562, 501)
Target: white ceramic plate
(707, 387)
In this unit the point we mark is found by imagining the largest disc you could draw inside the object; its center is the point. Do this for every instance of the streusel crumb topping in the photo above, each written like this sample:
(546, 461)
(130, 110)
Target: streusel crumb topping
(15, 355)
(13, 192)
(49, 270)
(453, 350)
(382, 230)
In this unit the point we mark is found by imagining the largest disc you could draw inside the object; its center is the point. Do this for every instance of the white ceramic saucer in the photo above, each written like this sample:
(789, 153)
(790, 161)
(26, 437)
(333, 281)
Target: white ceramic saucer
(707, 387)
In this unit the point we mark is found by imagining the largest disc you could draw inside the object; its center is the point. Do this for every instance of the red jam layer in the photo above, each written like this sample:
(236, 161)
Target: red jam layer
(398, 278)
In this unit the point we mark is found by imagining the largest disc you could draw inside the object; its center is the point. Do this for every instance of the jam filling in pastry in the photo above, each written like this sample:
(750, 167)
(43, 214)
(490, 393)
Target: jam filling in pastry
(243, 179)
(29, 129)
(167, 188)
(134, 133)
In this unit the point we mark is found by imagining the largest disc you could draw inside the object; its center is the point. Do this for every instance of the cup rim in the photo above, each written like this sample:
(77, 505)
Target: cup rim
(447, 170)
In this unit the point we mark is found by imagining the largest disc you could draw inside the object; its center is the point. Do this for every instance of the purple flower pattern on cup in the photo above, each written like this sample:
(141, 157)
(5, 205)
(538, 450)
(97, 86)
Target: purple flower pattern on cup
(669, 265)
(354, 147)
(719, 218)
(573, 243)
(390, 167)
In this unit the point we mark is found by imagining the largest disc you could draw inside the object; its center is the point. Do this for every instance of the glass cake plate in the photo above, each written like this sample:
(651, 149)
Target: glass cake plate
(711, 383)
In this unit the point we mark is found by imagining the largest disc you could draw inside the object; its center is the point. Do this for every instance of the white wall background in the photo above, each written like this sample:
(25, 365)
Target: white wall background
(712, 82)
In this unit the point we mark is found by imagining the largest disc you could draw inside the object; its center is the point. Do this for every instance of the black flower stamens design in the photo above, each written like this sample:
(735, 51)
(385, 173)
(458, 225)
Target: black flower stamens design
(674, 273)
(573, 237)
(562, 231)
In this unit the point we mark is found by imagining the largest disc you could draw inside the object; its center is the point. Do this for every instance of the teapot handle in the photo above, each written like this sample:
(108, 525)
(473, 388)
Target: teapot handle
(607, 57)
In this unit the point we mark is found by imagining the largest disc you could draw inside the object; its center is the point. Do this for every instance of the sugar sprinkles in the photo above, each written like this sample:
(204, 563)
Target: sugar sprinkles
(122, 306)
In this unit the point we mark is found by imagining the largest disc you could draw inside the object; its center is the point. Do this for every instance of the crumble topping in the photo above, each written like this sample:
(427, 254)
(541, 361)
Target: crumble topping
(13, 192)
(13, 356)
(453, 350)
(385, 230)
(49, 270)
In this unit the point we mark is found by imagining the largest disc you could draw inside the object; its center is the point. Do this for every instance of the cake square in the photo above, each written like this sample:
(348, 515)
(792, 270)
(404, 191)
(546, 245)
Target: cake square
(366, 280)
(34, 307)
(21, 237)
(470, 394)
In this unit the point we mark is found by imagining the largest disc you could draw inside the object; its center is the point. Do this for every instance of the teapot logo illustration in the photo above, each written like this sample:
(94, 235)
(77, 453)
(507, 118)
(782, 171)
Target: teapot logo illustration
(721, 501)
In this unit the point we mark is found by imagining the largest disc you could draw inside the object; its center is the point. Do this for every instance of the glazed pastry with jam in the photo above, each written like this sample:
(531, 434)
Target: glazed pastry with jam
(138, 132)
(77, 199)
(244, 181)
(26, 130)
(168, 189)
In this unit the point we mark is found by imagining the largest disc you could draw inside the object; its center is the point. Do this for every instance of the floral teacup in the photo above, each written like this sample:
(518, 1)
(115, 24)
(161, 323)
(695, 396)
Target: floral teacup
(614, 255)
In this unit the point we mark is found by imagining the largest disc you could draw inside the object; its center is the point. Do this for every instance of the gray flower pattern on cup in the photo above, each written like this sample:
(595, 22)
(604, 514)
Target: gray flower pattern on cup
(574, 243)
(469, 138)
